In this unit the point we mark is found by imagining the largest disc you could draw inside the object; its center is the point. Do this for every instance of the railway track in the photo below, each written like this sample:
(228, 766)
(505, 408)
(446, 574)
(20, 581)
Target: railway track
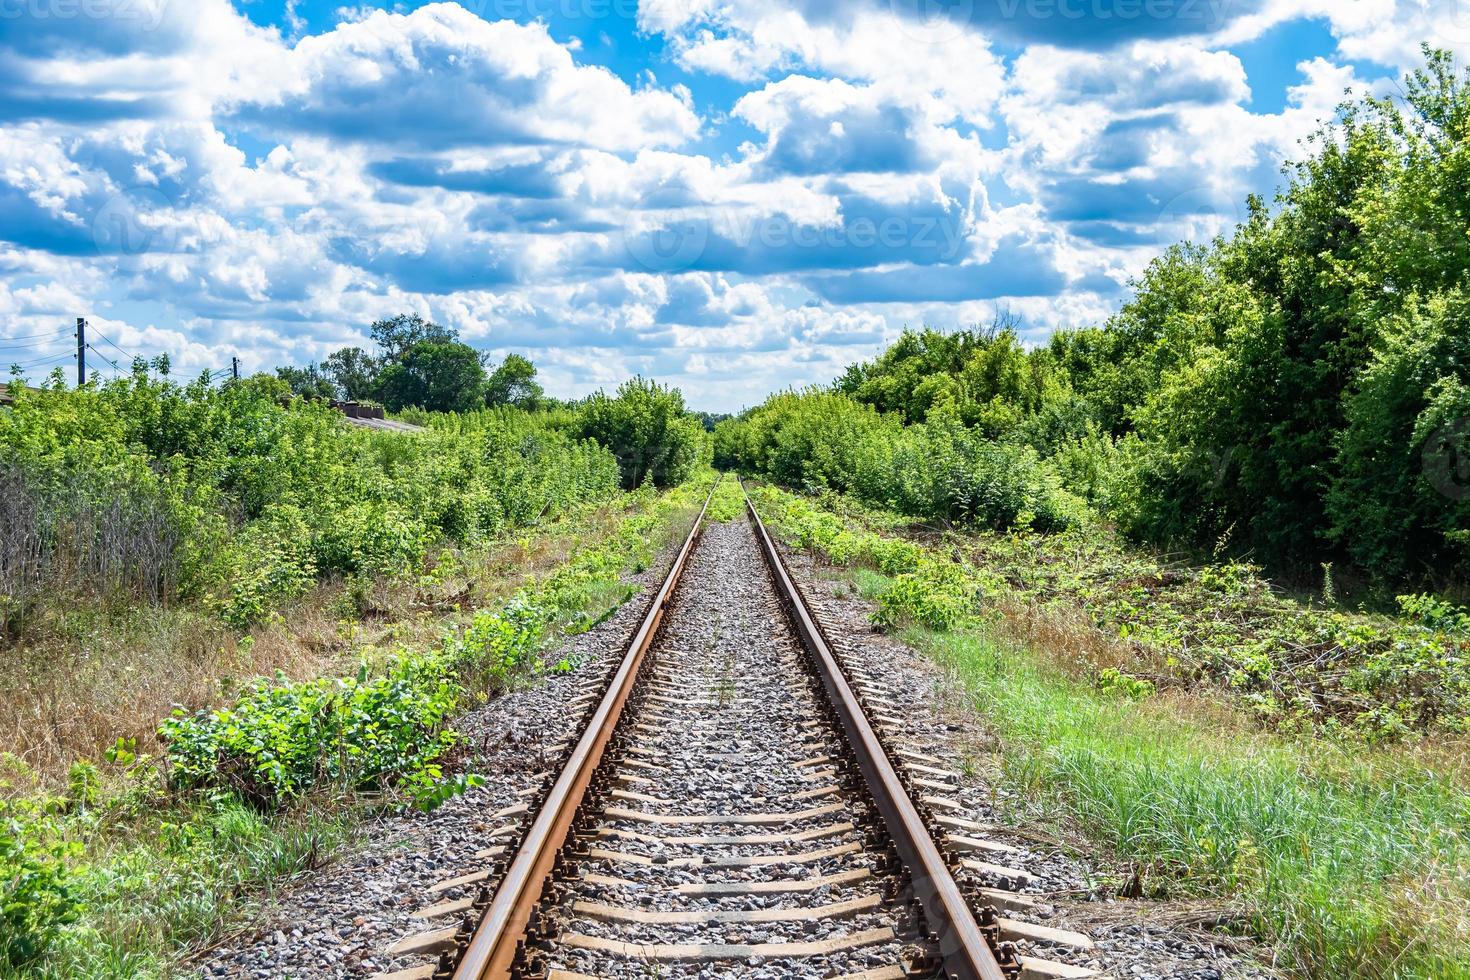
(740, 802)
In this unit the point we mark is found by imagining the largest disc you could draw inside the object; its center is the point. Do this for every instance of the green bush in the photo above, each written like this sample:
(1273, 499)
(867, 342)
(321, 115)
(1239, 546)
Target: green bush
(498, 645)
(938, 595)
(1297, 392)
(1401, 503)
(37, 899)
(374, 538)
(647, 428)
(189, 492)
(280, 740)
(937, 470)
(270, 563)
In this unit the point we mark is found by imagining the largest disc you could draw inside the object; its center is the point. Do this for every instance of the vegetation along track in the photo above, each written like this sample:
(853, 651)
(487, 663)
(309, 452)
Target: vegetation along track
(740, 803)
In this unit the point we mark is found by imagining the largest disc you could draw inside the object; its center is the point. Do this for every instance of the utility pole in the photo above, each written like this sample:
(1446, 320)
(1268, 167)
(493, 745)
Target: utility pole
(81, 351)
(234, 368)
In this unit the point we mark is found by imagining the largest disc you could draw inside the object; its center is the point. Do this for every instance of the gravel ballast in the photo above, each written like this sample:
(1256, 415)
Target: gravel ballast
(730, 716)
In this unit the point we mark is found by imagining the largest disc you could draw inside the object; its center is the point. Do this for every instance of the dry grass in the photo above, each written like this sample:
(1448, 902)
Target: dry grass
(1068, 635)
(86, 672)
(86, 675)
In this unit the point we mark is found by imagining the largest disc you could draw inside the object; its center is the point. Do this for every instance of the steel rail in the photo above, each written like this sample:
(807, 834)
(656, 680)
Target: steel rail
(491, 952)
(962, 945)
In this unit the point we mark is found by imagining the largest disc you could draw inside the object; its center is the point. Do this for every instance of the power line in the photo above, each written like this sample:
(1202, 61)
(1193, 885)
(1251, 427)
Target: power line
(57, 359)
(104, 336)
(32, 336)
(39, 343)
(115, 366)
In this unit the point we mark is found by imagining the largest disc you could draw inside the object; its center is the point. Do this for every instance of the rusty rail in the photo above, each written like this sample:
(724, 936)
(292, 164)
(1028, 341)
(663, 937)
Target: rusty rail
(492, 949)
(966, 953)
(491, 952)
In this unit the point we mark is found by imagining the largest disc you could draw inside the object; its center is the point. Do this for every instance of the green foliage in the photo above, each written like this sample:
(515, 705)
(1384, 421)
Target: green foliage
(439, 376)
(1298, 392)
(188, 492)
(728, 503)
(1347, 859)
(498, 645)
(280, 741)
(1294, 665)
(397, 335)
(648, 430)
(983, 378)
(145, 877)
(1113, 681)
(937, 595)
(1285, 380)
(37, 899)
(271, 563)
(420, 365)
(308, 382)
(374, 537)
(353, 373)
(514, 383)
(1403, 490)
(937, 470)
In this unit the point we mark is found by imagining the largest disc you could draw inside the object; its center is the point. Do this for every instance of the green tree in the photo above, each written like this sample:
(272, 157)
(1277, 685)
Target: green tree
(397, 335)
(648, 430)
(308, 382)
(440, 376)
(1401, 500)
(354, 372)
(513, 383)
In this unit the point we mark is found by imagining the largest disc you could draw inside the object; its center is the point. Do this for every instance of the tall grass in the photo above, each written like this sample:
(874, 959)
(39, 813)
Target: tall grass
(160, 888)
(1349, 861)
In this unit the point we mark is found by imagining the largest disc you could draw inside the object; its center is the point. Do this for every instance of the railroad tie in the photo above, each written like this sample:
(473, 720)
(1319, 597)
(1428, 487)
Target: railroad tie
(714, 952)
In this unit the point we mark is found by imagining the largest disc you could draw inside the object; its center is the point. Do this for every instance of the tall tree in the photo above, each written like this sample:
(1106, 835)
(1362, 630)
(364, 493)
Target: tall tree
(309, 382)
(354, 371)
(397, 335)
(441, 376)
(648, 430)
(513, 383)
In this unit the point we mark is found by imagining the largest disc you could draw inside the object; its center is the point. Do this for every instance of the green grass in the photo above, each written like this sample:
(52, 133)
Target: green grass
(728, 502)
(1348, 861)
(172, 877)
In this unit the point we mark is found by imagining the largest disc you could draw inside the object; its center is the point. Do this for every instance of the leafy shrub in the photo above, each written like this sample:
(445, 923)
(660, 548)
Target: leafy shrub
(37, 898)
(648, 430)
(1113, 681)
(891, 556)
(270, 562)
(938, 470)
(372, 538)
(188, 492)
(938, 595)
(280, 740)
(497, 645)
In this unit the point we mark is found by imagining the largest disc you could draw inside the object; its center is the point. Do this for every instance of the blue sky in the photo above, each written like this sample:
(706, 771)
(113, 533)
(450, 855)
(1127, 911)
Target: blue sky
(733, 195)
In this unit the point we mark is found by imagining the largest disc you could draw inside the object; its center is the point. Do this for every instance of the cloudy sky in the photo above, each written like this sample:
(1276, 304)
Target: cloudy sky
(733, 195)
